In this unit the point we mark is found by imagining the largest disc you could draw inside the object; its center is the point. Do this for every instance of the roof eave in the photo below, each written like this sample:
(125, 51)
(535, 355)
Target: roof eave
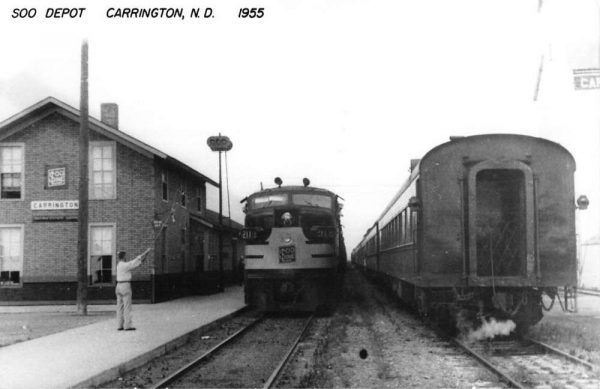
(181, 165)
(51, 105)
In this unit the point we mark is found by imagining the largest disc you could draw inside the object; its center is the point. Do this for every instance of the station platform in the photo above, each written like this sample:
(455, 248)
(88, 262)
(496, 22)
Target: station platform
(86, 356)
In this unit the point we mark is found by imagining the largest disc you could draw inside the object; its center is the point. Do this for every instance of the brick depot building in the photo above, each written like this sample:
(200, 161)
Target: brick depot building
(139, 197)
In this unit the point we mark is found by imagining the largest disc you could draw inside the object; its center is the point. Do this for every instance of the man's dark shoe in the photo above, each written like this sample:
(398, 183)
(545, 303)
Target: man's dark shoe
(130, 329)
(120, 329)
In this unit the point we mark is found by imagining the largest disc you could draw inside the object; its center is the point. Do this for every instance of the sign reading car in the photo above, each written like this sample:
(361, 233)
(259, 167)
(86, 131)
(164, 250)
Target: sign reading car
(586, 78)
(219, 143)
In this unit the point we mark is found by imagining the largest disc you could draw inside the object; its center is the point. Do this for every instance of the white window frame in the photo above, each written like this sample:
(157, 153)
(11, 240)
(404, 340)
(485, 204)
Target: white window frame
(21, 227)
(113, 251)
(22, 145)
(113, 144)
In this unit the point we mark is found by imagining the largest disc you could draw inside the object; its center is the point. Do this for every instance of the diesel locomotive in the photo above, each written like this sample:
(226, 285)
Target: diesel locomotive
(483, 227)
(295, 252)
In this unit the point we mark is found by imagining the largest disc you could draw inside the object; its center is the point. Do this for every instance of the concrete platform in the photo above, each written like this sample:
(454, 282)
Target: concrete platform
(93, 354)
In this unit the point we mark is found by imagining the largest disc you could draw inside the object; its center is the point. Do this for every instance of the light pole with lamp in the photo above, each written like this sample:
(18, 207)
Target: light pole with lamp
(220, 143)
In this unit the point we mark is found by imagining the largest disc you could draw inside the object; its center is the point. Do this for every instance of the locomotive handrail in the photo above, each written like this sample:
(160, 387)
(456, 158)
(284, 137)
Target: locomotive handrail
(398, 247)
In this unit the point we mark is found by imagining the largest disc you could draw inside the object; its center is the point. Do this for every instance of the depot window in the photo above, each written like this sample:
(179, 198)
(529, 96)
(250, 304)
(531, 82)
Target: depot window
(11, 171)
(103, 170)
(102, 238)
(11, 255)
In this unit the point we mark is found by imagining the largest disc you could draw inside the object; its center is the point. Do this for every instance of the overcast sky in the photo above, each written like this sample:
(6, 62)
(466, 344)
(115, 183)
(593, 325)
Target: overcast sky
(342, 92)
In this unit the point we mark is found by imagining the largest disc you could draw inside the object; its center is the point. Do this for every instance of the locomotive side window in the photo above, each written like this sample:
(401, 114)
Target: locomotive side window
(263, 225)
(318, 227)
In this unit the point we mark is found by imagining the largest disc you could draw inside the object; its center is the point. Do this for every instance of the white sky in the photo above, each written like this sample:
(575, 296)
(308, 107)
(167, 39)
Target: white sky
(342, 92)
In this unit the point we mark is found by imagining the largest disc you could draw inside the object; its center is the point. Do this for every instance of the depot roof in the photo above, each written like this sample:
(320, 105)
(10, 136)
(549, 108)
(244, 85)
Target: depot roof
(51, 105)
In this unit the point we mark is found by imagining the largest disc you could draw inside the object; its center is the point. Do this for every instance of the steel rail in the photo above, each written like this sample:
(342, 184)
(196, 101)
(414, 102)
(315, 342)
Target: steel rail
(588, 292)
(496, 370)
(287, 356)
(164, 383)
(563, 354)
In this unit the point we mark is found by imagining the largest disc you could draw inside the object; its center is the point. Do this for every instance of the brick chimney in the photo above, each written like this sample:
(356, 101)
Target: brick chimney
(109, 114)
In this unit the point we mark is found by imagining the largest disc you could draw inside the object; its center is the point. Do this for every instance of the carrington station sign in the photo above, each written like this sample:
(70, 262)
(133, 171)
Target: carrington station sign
(51, 205)
(586, 78)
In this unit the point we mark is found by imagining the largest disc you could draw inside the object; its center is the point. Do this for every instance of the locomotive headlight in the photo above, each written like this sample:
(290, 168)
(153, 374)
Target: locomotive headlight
(287, 219)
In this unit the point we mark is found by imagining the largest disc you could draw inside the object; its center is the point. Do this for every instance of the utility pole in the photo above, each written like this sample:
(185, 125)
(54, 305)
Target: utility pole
(84, 136)
(220, 143)
(221, 276)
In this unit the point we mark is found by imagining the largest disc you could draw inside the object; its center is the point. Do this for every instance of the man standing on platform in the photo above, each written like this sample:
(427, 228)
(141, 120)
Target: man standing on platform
(123, 289)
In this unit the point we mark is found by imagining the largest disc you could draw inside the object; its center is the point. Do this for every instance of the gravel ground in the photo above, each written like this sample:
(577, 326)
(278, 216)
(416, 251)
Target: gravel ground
(250, 360)
(578, 334)
(371, 342)
(532, 366)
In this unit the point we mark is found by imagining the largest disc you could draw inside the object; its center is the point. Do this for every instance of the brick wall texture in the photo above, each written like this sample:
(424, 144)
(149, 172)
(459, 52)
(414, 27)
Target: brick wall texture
(180, 257)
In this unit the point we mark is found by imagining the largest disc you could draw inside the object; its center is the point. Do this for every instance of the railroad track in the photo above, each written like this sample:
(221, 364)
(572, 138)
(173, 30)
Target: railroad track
(252, 335)
(589, 292)
(527, 363)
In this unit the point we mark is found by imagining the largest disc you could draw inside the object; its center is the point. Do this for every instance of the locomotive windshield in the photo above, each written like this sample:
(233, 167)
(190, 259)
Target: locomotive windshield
(312, 200)
(269, 201)
(300, 199)
(313, 212)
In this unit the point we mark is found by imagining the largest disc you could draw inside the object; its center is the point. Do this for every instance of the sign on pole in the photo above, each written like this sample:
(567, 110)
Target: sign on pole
(586, 78)
(219, 143)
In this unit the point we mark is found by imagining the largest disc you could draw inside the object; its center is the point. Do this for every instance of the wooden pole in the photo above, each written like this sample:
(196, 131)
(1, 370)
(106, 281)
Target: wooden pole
(82, 242)
(221, 275)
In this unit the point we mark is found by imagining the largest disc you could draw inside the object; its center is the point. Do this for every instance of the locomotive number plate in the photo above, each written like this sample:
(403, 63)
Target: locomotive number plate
(287, 254)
